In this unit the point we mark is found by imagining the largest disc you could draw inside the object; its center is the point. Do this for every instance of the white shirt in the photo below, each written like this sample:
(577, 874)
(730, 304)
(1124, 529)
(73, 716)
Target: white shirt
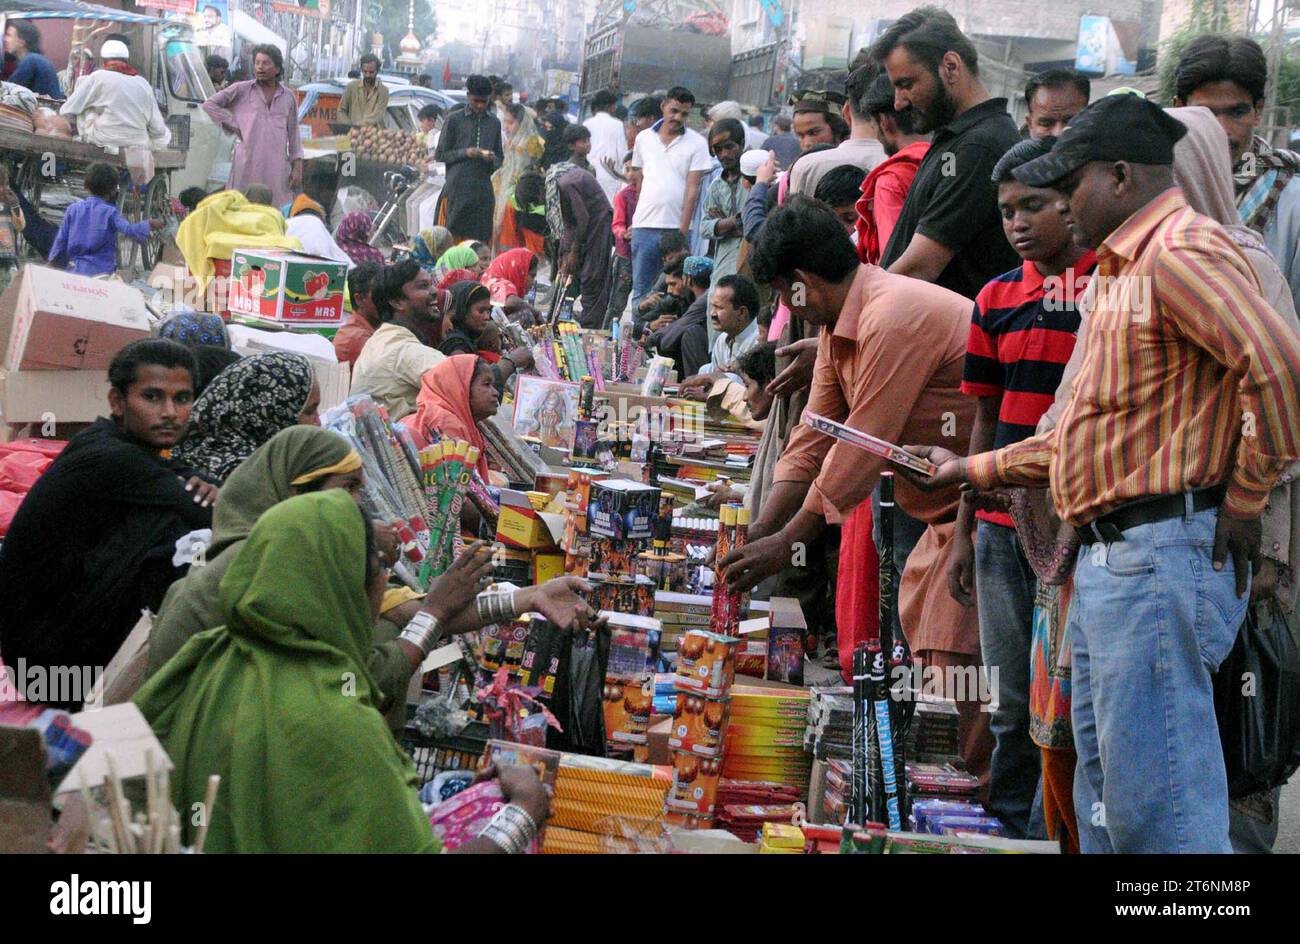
(113, 110)
(726, 352)
(308, 229)
(608, 139)
(665, 169)
(754, 138)
(390, 368)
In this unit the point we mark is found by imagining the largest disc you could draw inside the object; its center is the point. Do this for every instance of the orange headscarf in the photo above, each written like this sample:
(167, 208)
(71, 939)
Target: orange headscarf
(511, 266)
(443, 405)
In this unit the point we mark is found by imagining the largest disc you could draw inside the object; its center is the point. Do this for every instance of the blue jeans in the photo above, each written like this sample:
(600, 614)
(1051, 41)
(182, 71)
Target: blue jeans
(1004, 591)
(647, 263)
(1150, 621)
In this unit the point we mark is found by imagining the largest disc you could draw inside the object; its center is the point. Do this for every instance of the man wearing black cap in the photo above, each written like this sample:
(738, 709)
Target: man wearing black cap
(1184, 415)
(949, 231)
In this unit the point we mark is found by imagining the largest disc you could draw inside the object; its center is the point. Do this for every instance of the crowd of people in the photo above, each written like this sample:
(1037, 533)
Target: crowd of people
(1086, 324)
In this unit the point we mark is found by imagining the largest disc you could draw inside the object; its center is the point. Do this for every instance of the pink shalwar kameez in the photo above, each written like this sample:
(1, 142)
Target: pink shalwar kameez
(270, 135)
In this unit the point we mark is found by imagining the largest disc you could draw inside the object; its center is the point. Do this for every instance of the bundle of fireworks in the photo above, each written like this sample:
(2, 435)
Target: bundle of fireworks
(943, 817)
(729, 605)
(507, 452)
(757, 792)
(393, 489)
(560, 354)
(746, 821)
(765, 738)
(830, 723)
(656, 376)
(781, 839)
(626, 357)
(594, 794)
(837, 800)
(932, 736)
(447, 468)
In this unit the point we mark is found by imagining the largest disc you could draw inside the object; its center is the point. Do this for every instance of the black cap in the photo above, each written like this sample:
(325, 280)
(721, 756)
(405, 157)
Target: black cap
(1120, 127)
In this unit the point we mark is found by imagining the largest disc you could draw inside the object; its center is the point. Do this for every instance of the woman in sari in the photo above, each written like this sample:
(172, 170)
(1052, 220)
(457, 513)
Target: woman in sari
(248, 403)
(471, 310)
(279, 701)
(454, 398)
(353, 237)
(429, 245)
(523, 148)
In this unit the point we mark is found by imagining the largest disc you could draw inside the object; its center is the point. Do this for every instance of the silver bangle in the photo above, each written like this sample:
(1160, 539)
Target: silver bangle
(511, 828)
(502, 840)
(422, 632)
(496, 606)
(522, 816)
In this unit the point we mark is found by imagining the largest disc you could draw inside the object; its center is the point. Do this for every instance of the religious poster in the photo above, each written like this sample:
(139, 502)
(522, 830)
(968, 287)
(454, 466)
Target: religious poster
(546, 410)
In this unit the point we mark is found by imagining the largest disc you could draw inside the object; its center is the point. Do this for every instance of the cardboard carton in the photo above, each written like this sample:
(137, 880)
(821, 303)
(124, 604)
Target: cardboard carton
(287, 287)
(54, 320)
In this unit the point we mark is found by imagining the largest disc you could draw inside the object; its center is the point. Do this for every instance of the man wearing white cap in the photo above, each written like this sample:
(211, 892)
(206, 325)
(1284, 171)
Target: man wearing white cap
(114, 107)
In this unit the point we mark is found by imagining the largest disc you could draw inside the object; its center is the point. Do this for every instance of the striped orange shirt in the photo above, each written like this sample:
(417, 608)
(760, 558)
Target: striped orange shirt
(1188, 380)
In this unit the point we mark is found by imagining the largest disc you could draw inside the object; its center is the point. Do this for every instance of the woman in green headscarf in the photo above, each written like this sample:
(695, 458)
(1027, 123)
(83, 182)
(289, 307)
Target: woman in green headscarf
(458, 257)
(279, 701)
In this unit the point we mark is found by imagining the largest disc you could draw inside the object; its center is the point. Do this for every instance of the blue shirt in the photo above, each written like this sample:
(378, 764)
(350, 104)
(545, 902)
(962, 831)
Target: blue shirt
(37, 73)
(88, 236)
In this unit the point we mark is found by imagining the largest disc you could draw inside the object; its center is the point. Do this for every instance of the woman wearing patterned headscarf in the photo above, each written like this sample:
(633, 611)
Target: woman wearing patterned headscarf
(353, 235)
(195, 329)
(246, 405)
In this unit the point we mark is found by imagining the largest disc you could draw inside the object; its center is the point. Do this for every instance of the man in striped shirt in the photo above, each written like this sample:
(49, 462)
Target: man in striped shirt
(1021, 336)
(1185, 413)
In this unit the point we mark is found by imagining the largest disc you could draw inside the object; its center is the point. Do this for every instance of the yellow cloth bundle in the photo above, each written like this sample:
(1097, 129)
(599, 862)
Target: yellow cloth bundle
(224, 222)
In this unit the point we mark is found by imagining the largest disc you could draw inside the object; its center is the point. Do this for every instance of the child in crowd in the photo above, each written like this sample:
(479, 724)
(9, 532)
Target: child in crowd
(259, 193)
(87, 238)
(624, 210)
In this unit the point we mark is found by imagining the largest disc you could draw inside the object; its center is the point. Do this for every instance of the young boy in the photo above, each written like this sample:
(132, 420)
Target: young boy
(87, 237)
(840, 188)
(12, 222)
(624, 210)
(1020, 340)
(363, 280)
(94, 541)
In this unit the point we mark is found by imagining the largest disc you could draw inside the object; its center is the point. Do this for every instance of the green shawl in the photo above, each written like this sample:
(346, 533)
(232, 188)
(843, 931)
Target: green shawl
(457, 257)
(260, 482)
(279, 701)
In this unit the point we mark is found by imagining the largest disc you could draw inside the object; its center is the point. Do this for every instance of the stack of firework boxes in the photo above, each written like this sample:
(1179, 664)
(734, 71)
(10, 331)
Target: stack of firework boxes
(706, 669)
(609, 522)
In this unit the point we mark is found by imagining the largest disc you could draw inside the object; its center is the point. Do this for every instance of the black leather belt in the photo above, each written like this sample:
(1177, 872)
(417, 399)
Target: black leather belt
(1112, 525)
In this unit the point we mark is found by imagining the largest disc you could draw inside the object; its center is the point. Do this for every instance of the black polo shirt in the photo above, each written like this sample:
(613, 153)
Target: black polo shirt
(954, 202)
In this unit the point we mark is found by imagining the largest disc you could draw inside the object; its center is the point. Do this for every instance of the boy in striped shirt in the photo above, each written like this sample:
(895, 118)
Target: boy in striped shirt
(1021, 336)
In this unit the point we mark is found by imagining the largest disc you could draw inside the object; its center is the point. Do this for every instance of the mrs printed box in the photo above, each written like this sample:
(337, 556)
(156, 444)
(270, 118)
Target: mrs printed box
(290, 288)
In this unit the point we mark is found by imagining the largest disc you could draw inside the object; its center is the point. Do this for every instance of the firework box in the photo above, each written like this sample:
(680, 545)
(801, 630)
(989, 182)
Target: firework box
(622, 509)
(633, 647)
(785, 647)
(629, 595)
(694, 786)
(55, 320)
(287, 287)
(627, 711)
(546, 565)
(699, 724)
(706, 663)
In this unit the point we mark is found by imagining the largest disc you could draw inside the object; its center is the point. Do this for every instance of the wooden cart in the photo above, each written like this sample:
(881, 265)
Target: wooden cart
(46, 159)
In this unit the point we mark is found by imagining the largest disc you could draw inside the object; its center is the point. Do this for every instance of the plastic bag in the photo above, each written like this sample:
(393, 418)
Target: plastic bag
(1257, 701)
(578, 700)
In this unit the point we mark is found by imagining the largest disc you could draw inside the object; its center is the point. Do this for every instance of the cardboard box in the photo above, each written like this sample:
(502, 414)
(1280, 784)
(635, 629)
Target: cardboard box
(57, 397)
(177, 287)
(519, 524)
(292, 288)
(785, 641)
(547, 565)
(623, 509)
(56, 320)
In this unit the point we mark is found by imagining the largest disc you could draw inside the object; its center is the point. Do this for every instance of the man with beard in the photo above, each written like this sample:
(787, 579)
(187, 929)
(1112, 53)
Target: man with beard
(394, 359)
(949, 232)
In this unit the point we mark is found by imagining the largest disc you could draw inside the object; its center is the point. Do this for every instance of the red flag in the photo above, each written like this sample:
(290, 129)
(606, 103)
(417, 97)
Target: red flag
(446, 74)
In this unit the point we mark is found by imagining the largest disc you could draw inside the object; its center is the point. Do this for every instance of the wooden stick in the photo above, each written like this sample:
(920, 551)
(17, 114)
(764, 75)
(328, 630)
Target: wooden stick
(91, 819)
(113, 786)
(209, 800)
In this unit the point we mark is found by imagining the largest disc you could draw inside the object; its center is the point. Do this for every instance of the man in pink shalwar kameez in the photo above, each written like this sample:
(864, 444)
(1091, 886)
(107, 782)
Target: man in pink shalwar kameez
(262, 114)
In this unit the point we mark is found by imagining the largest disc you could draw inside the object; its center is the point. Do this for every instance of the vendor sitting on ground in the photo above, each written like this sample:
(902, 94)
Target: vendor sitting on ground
(471, 310)
(87, 239)
(94, 540)
(260, 194)
(686, 339)
(296, 461)
(280, 703)
(361, 324)
(114, 107)
(307, 225)
(396, 356)
(734, 313)
(757, 369)
(508, 278)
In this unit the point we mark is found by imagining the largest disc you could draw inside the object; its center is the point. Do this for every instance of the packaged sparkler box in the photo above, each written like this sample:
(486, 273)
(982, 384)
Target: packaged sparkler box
(620, 508)
(635, 596)
(699, 724)
(706, 663)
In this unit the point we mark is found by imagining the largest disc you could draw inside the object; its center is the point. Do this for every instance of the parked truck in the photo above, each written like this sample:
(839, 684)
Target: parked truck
(637, 60)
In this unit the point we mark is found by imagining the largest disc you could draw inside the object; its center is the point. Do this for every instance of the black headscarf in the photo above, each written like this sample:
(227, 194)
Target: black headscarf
(460, 340)
(91, 545)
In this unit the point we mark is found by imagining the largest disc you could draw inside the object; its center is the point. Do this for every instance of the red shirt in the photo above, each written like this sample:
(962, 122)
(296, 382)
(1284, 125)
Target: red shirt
(351, 338)
(883, 194)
